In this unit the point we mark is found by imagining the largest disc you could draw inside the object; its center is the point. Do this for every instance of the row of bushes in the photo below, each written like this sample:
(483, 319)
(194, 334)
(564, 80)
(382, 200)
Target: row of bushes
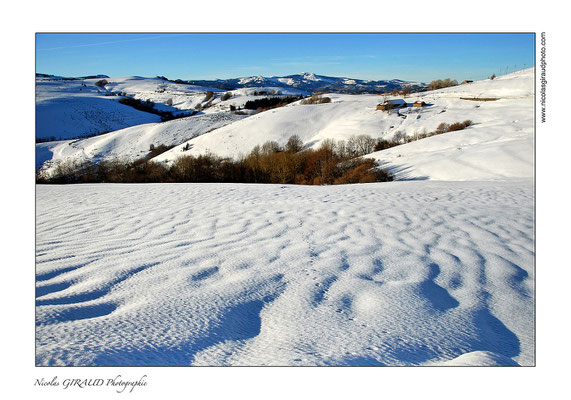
(270, 102)
(442, 83)
(116, 170)
(360, 145)
(269, 163)
(149, 106)
(456, 126)
(270, 92)
(273, 163)
(46, 139)
(400, 138)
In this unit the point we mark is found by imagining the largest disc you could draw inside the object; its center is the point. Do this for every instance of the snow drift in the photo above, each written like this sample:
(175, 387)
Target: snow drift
(403, 273)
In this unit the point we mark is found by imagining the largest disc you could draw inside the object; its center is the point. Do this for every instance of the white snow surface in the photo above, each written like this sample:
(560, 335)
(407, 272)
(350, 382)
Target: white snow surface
(401, 273)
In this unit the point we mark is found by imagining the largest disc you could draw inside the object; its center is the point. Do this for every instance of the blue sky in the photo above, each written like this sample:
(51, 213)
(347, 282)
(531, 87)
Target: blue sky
(416, 57)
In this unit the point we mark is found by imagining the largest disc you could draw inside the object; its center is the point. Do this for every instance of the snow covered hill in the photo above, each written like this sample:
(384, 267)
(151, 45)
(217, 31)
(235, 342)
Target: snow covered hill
(499, 144)
(132, 143)
(346, 115)
(73, 108)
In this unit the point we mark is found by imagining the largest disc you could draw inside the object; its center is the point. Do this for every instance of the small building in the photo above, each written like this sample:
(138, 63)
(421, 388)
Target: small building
(419, 104)
(391, 104)
(466, 81)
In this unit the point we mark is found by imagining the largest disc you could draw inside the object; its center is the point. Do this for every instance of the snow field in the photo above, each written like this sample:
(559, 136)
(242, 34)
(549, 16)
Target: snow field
(402, 273)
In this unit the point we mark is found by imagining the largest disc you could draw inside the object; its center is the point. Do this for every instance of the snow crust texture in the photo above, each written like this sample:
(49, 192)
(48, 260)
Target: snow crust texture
(401, 273)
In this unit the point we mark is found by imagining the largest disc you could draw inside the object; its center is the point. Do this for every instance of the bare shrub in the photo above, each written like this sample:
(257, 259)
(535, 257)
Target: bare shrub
(365, 144)
(283, 167)
(363, 170)
(351, 147)
(383, 144)
(456, 126)
(195, 169)
(441, 128)
(294, 144)
(316, 99)
(271, 147)
(399, 137)
(341, 148)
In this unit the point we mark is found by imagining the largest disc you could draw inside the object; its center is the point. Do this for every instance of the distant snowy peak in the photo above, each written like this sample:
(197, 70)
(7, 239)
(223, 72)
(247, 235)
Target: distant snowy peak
(311, 82)
(286, 81)
(309, 76)
(255, 79)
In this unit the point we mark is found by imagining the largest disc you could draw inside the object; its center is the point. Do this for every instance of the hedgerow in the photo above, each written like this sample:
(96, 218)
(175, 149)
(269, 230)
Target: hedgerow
(268, 163)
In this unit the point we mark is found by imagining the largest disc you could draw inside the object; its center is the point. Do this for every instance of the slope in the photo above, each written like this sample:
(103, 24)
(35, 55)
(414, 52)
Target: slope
(131, 143)
(73, 108)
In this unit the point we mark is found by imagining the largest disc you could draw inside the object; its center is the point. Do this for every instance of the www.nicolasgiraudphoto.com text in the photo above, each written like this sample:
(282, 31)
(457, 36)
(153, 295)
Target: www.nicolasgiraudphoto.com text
(543, 80)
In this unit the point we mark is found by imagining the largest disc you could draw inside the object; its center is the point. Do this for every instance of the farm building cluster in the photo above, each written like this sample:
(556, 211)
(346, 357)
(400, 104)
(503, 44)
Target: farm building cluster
(398, 103)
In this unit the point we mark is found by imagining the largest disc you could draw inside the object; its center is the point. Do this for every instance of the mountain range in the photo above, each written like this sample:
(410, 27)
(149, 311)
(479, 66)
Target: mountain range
(308, 82)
